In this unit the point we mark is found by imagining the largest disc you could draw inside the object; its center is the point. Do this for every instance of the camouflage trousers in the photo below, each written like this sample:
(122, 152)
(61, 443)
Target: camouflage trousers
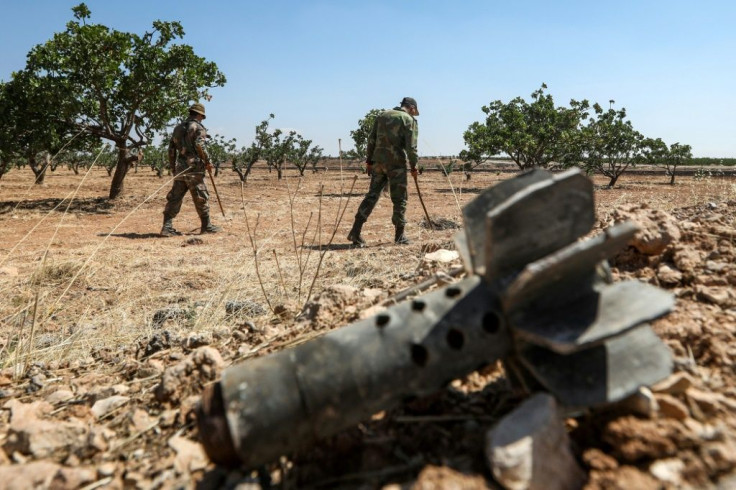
(194, 183)
(395, 177)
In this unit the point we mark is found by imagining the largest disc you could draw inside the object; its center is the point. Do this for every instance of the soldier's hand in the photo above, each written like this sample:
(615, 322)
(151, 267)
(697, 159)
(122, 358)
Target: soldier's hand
(369, 168)
(208, 167)
(414, 172)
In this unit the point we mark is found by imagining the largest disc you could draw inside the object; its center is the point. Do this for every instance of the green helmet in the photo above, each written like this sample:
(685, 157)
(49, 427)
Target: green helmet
(198, 108)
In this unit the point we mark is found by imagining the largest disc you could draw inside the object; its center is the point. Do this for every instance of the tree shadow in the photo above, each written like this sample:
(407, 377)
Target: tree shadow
(133, 236)
(464, 190)
(91, 205)
(337, 194)
(334, 247)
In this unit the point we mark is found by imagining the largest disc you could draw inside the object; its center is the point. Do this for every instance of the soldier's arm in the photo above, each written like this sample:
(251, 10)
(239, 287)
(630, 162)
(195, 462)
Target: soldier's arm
(371, 143)
(410, 143)
(200, 138)
(172, 156)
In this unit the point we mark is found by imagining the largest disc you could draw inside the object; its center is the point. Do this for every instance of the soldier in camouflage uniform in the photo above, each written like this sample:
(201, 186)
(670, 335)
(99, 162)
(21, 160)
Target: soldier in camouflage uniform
(188, 160)
(393, 141)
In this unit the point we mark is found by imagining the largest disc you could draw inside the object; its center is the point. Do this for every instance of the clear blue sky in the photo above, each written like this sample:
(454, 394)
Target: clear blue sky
(319, 66)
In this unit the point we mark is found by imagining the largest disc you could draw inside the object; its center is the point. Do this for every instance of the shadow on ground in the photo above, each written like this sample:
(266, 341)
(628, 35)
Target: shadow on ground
(92, 205)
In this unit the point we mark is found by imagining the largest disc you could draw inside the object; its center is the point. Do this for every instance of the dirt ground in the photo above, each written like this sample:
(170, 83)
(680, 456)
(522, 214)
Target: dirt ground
(108, 332)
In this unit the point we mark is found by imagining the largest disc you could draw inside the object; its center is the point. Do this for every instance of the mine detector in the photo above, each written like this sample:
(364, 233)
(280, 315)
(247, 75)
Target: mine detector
(536, 296)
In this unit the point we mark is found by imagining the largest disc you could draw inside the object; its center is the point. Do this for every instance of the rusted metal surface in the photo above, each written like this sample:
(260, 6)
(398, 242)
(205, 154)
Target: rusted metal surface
(536, 298)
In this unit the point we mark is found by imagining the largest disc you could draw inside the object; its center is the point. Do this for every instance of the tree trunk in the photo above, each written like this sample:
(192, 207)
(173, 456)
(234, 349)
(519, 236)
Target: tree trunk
(672, 177)
(613, 181)
(125, 161)
(4, 164)
(38, 170)
(279, 172)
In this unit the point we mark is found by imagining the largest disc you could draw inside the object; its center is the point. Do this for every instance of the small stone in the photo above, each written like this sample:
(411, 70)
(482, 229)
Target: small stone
(530, 449)
(59, 396)
(709, 403)
(668, 470)
(668, 275)
(672, 408)
(37, 474)
(190, 456)
(598, 460)
(675, 384)
(642, 402)
(103, 407)
(105, 470)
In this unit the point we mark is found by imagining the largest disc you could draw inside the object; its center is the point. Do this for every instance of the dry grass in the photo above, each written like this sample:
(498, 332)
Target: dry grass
(95, 281)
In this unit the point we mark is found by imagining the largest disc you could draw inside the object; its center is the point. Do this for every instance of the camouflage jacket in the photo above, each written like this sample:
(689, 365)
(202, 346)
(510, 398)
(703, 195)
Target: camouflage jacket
(393, 139)
(182, 147)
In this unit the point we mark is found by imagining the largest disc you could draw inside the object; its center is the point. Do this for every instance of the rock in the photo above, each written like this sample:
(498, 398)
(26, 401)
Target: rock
(442, 256)
(626, 478)
(73, 477)
(141, 420)
(658, 229)
(721, 296)
(668, 470)
(530, 449)
(675, 384)
(445, 478)
(668, 275)
(329, 303)
(30, 435)
(190, 456)
(59, 396)
(598, 460)
(37, 474)
(371, 311)
(103, 407)
(720, 456)
(201, 366)
(642, 402)
(175, 313)
(671, 408)
(373, 294)
(709, 403)
(245, 308)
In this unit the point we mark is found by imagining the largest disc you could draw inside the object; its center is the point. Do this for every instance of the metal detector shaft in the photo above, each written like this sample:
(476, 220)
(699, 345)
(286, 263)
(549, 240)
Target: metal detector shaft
(217, 194)
(419, 193)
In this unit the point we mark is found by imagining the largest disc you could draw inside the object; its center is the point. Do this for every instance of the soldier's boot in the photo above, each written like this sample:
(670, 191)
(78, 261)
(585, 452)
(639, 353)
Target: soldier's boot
(207, 226)
(168, 228)
(400, 237)
(354, 235)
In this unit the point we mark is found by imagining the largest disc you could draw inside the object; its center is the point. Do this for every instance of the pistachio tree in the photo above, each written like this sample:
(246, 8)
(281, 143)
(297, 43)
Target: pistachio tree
(609, 144)
(120, 86)
(303, 154)
(220, 150)
(243, 161)
(533, 134)
(360, 135)
(656, 152)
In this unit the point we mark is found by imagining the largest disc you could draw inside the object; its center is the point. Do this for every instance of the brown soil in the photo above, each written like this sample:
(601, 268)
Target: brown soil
(109, 332)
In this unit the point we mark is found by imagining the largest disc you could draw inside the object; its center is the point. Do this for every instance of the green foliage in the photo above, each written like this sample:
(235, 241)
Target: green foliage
(121, 86)
(156, 157)
(278, 149)
(448, 168)
(657, 153)
(302, 154)
(609, 144)
(360, 135)
(533, 134)
(706, 161)
(243, 161)
(220, 150)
